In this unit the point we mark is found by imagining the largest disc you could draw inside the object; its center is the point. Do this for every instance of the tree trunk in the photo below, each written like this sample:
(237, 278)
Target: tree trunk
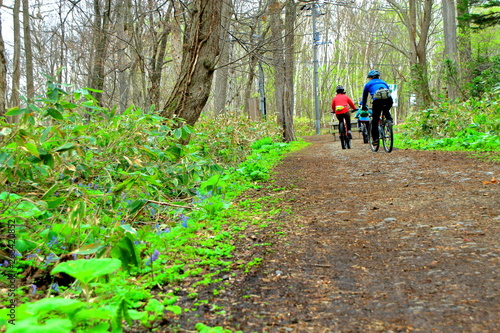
(418, 39)
(420, 66)
(101, 43)
(290, 16)
(123, 30)
(176, 41)
(16, 71)
(222, 73)
(275, 9)
(30, 85)
(283, 92)
(464, 43)
(3, 71)
(249, 87)
(158, 59)
(450, 48)
(200, 51)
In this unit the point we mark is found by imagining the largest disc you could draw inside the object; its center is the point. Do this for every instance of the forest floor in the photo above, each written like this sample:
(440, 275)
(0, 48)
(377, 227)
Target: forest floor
(368, 242)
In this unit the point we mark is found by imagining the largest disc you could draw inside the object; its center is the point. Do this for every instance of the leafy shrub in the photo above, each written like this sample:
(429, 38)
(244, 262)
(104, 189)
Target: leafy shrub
(471, 125)
(304, 126)
(117, 189)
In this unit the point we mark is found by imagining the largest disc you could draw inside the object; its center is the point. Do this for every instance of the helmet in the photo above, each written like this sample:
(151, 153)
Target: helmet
(340, 89)
(374, 74)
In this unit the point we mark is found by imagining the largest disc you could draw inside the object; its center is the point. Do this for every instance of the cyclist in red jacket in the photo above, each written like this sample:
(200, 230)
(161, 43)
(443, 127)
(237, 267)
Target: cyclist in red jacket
(340, 106)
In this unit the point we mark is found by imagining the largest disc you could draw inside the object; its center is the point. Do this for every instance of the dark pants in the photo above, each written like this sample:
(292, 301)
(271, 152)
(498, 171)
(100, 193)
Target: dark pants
(366, 122)
(347, 117)
(380, 106)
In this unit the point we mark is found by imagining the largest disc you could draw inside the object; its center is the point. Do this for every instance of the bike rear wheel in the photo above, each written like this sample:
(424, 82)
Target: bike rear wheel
(364, 132)
(373, 147)
(347, 137)
(345, 141)
(388, 137)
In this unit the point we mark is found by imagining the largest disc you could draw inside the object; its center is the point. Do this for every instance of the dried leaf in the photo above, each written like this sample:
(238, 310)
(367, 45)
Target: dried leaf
(492, 181)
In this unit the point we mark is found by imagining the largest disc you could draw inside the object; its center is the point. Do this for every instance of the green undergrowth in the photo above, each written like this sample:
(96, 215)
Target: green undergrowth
(472, 126)
(106, 214)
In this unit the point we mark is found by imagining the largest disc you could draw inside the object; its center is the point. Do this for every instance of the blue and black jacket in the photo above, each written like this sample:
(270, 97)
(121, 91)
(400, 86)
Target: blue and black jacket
(371, 88)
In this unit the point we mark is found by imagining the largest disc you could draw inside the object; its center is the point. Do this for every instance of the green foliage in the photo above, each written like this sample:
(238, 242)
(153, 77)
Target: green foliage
(486, 18)
(304, 126)
(87, 270)
(60, 315)
(258, 164)
(107, 206)
(228, 136)
(486, 81)
(473, 126)
(206, 329)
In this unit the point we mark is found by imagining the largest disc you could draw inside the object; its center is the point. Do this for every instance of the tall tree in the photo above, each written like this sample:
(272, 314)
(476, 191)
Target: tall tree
(282, 91)
(254, 47)
(16, 71)
(122, 28)
(464, 42)
(159, 48)
(275, 9)
(290, 18)
(199, 58)
(101, 27)
(3, 71)
(28, 53)
(222, 72)
(450, 48)
(417, 19)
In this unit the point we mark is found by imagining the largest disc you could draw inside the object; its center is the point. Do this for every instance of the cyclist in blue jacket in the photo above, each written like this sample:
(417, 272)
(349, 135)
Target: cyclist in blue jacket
(378, 105)
(363, 118)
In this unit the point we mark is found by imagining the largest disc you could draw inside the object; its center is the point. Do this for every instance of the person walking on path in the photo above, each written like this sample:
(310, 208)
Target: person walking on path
(382, 101)
(340, 106)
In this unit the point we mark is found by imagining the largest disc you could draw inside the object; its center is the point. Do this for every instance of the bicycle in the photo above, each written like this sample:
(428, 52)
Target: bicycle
(345, 136)
(385, 134)
(365, 132)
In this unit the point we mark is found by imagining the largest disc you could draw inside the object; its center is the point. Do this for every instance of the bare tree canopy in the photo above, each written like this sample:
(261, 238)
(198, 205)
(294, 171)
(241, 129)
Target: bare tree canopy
(163, 55)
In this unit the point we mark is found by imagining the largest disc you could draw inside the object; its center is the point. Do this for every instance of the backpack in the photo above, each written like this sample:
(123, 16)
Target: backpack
(363, 114)
(382, 93)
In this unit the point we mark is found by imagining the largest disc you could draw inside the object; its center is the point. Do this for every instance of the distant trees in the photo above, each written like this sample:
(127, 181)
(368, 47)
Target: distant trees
(282, 55)
(28, 52)
(417, 18)
(16, 61)
(222, 73)
(3, 72)
(162, 55)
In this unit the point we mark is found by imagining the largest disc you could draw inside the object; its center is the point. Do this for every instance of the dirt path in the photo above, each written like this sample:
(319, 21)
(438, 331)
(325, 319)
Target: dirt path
(374, 242)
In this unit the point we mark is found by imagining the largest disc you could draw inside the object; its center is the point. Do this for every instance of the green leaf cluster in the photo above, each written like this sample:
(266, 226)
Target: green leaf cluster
(108, 205)
(473, 125)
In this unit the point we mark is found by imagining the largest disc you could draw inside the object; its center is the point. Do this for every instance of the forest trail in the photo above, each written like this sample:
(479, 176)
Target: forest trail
(370, 242)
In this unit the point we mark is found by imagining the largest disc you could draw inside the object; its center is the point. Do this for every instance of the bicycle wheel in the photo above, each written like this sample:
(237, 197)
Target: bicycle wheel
(347, 138)
(370, 139)
(348, 142)
(388, 138)
(341, 135)
(364, 132)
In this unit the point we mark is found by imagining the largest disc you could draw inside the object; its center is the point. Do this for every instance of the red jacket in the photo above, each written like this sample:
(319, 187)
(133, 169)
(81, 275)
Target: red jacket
(342, 100)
